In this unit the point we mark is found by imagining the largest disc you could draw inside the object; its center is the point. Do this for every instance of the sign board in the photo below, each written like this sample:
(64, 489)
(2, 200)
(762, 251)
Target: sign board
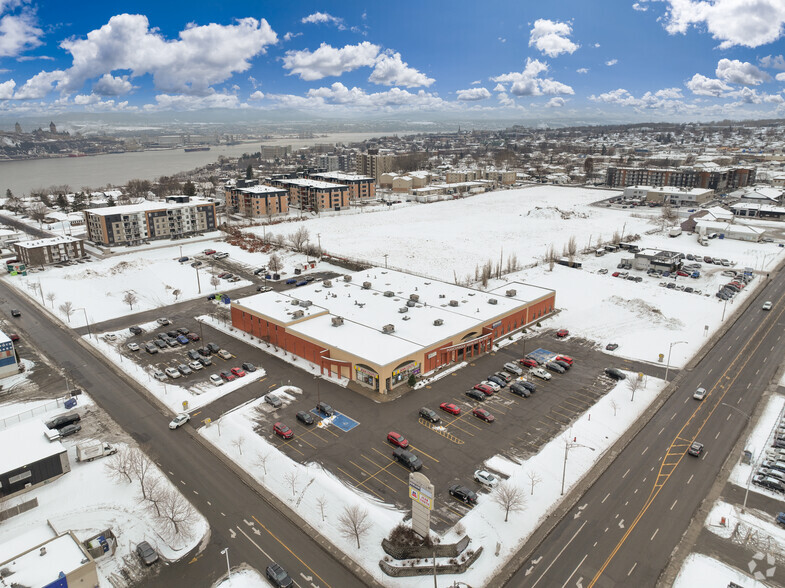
(421, 492)
(421, 497)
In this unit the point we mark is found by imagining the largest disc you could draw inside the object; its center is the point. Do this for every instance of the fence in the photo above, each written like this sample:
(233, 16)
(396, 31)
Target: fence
(28, 414)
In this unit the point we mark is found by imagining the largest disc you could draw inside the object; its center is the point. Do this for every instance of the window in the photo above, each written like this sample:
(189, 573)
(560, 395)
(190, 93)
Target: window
(20, 477)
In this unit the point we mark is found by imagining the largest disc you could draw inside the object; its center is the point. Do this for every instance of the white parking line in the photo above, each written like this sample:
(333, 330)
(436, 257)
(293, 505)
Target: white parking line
(655, 534)
(690, 480)
(674, 504)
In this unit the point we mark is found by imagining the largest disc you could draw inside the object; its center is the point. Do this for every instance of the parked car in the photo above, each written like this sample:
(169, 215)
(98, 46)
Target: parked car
(540, 373)
(220, 255)
(304, 417)
(516, 388)
(204, 351)
(283, 431)
(146, 553)
(450, 407)
(159, 375)
(407, 458)
(492, 385)
(135, 330)
(278, 576)
(69, 430)
(209, 251)
(486, 478)
(183, 340)
(699, 394)
(224, 354)
(695, 449)
(504, 376)
(397, 439)
(273, 400)
(501, 382)
(108, 337)
(64, 419)
(133, 347)
(205, 361)
(216, 380)
(183, 259)
(463, 494)
(325, 408)
(615, 374)
(565, 358)
(150, 348)
(239, 372)
(429, 415)
(213, 348)
(475, 395)
(248, 367)
(561, 363)
(780, 518)
(769, 482)
(195, 366)
(483, 415)
(179, 420)
(193, 336)
(172, 334)
(487, 390)
(513, 368)
(555, 367)
(526, 384)
(193, 355)
(562, 333)
(172, 373)
(159, 343)
(163, 321)
(184, 369)
(227, 376)
(528, 362)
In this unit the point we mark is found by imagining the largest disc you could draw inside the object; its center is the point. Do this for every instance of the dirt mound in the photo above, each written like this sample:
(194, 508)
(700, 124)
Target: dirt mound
(553, 212)
(646, 311)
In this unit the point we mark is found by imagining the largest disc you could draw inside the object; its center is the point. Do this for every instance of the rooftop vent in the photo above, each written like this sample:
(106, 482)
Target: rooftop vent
(297, 314)
(511, 293)
(453, 303)
(438, 322)
(403, 309)
(347, 278)
(493, 301)
(295, 302)
(389, 293)
(366, 285)
(305, 303)
(415, 297)
(337, 321)
(328, 283)
(442, 296)
(410, 303)
(387, 329)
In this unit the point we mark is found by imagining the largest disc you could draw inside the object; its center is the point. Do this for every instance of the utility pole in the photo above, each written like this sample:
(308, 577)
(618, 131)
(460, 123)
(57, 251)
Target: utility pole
(386, 255)
(198, 284)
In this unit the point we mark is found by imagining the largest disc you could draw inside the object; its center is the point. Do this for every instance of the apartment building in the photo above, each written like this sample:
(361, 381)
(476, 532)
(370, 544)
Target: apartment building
(719, 179)
(273, 151)
(361, 188)
(134, 223)
(315, 195)
(328, 163)
(374, 164)
(257, 201)
(49, 251)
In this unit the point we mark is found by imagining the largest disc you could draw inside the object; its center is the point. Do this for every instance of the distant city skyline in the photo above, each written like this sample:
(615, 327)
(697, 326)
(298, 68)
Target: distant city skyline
(570, 60)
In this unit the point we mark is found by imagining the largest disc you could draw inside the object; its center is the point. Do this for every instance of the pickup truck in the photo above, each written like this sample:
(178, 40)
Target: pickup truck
(93, 450)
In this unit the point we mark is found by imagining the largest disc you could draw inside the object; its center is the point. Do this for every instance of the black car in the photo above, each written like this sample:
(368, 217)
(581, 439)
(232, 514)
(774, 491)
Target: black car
(429, 415)
(63, 420)
(172, 334)
(249, 367)
(516, 388)
(497, 380)
(770, 483)
(407, 458)
(778, 444)
(15, 312)
(146, 553)
(204, 351)
(463, 493)
(213, 348)
(305, 418)
(135, 330)
(193, 354)
(183, 331)
(256, 272)
(69, 430)
(325, 408)
(528, 385)
(278, 576)
(205, 361)
(476, 395)
(695, 449)
(554, 367)
(564, 364)
(615, 374)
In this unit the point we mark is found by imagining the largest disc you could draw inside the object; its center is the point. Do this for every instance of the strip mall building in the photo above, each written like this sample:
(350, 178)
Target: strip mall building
(378, 326)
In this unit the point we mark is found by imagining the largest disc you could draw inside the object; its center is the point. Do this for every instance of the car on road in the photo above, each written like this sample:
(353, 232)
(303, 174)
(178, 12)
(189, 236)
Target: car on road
(248, 367)
(163, 321)
(216, 380)
(304, 417)
(561, 333)
(540, 373)
(146, 553)
(700, 394)
(615, 374)
(224, 354)
(475, 395)
(283, 431)
(239, 372)
(325, 408)
(407, 458)
(516, 388)
(227, 376)
(159, 375)
(695, 449)
(397, 439)
(278, 576)
(273, 400)
(492, 385)
(429, 415)
(528, 362)
(184, 369)
(195, 366)
(612, 346)
(766, 305)
(450, 407)
(487, 390)
(133, 347)
(179, 420)
(172, 373)
(780, 518)
(486, 478)
(264, 289)
(483, 415)
(135, 330)
(260, 270)
(463, 494)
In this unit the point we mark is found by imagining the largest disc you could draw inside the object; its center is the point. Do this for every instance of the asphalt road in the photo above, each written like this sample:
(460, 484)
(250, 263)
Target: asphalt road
(239, 517)
(626, 525)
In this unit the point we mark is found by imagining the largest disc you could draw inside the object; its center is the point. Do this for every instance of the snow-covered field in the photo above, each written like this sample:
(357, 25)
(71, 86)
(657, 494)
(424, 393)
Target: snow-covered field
(595, 433)
(701, 570)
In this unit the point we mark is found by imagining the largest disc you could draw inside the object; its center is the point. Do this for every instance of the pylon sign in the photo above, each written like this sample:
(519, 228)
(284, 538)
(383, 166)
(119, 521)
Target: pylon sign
(421, 492)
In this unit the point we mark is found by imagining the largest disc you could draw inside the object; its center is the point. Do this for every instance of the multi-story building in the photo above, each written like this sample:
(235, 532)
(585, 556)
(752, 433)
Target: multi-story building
(360, 187)
(273, 151)
(718, 179)
(257, 201)
(328, 163)
(135, 223)
(307, 194)
(48, 251)
(669, 195)
(373, 164)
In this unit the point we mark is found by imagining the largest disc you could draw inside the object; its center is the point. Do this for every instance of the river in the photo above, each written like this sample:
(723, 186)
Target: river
(117, 168)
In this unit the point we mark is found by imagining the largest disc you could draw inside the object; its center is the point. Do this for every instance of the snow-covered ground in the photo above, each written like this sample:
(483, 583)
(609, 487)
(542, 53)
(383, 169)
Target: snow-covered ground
(595, 432)
(243, 577)
(701, 570)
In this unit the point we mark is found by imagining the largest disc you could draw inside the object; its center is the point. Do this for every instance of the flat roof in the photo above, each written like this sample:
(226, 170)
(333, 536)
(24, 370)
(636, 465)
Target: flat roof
(46, 242)
(63, 554)
(146, 206)
(311, 183)
(30, 445)
(339, 175)
(260, 189)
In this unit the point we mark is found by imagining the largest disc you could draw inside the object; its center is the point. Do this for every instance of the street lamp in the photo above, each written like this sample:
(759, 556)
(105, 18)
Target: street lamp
(752, 469)
(89, 334)
(567, 446)
(668, 365)
(225, 552)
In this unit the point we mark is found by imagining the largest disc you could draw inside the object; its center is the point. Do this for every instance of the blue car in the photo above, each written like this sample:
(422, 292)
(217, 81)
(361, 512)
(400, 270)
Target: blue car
(301, 283)
(781, 518)
(695, 275)
(182, 340)
(291, 281)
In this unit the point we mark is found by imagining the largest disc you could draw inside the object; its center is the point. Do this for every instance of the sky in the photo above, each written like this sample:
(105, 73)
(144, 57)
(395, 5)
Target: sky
(619, 59)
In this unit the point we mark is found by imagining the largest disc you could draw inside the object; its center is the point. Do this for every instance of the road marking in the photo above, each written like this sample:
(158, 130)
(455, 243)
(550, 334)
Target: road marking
(625, 473)
(711, 370)
(183, 483)
(632, 568)
(690, 480)
(674, 504)
(425, 454)
(621, 524)
(566, 545)
(195, 492)
(252, 541)
(595, 545)
(730, 347)
(636, 491)
(727, 419)
(655, 534)
(717, 435)
(606, 529)
(209, 503)
(739, 400)
(675, 413)
(661, 430)
(575, 570)
(645, 450)
(606, 498)
(686, 399)
(232, 533)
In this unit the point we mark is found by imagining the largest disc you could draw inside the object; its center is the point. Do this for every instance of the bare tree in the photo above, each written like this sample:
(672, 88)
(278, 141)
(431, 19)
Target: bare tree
(155, 489)
(261, 459)
(534, 479)
(176, 293)
(38, 213)
(614, 406)
(119, 465)
(275, 264)
(130, 298)
(177, 515)
(291, 478)
(510, 498)
(321, 504)
(141, 468)
(616, 239)
(299, 238)
(51, 298)
(354, 523)
(668, 214)
(238, 443)
(279, 240)
(633, 385)
(572, 246)
(67, 309)
(214, 281)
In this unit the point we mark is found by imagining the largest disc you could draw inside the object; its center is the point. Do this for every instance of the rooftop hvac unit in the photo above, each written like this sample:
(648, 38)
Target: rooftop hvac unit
(403, 309)
(442, 296)
(337, 321)
(493, 301)
(297, 314)
(347, 278)
(366, 285)
(511, 293)
(453, 303)
(415, 297)
(388, 329)
(389, 293)
(295, 302)
(328, 283)
(410, 303)
(438, 322)
(305, 303)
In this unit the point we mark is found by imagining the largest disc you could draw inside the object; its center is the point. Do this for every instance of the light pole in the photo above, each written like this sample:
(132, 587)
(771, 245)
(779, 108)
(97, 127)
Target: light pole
(668, 365)
(198, 284)
(567, 446)
(752, 469)
(225, 552)
(89, 334)
(386, 255)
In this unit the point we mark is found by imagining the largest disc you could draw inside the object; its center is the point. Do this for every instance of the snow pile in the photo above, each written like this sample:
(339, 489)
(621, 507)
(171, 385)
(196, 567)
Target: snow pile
(701, 570)
(243, 577)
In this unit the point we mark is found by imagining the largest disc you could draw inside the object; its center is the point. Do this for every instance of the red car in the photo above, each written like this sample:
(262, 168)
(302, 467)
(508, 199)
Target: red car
(483, 414)
(615, 274)
(450, 407)
(528, 362)
(193, 336)
(209, 251)
(682, 273)
(487, 390)
(14, 337)
(283, 431)
(239, 372)
(565, 359)
(562, 333)
(397, 439)
(224, 274)
(227, 376)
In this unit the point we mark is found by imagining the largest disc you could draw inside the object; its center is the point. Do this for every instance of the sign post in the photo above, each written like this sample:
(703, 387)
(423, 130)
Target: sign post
(421, 493)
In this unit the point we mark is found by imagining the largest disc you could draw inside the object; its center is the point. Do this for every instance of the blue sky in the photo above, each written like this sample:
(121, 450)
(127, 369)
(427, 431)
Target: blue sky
(644, 60)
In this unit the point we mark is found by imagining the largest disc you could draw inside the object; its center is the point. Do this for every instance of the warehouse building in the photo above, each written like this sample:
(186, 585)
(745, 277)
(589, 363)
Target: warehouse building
(34, 461)
(377, 327)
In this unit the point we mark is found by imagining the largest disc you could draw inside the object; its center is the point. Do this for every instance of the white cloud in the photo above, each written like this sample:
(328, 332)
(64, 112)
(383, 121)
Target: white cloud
(611, 62)
(7, 89)
(662, 100)
(556, 102)
(339, 97)
(390, 70)
(703, 86)
(475, 83)
(329, 61)
(670, 93)
(749, 23)
(740, 72)
(289, 36)
(473, 94)
(191, 102)
(582, 70)
(551, 37)
(502, 40)
(108, 85)
(506, 101)
(596, 45)
(528, 82)
(639, 7)
(39, 85)
(323, 18)
(258, 95)
(773, 61)
(500, 88)
(18, 33)
(780, 77)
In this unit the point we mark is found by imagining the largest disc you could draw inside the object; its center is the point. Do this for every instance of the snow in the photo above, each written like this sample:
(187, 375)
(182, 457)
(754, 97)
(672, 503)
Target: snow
(244, 577)
(30, 445)
(701, 570)
(62, 554)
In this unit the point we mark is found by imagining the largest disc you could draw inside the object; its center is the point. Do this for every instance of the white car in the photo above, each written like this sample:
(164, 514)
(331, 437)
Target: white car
(486, 478)
(195, 366)
(179, 420)
(163, 321)
(216, 380)
(224, 354)
(172, 373)
(491, 385)
(540, 373)
(767, 305)
(700, 394)
(133, 347)
(110, 337)
(221, 255)
(159, 375)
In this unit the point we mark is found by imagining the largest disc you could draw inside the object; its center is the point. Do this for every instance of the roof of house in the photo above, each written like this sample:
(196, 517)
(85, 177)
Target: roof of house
(32, 567)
